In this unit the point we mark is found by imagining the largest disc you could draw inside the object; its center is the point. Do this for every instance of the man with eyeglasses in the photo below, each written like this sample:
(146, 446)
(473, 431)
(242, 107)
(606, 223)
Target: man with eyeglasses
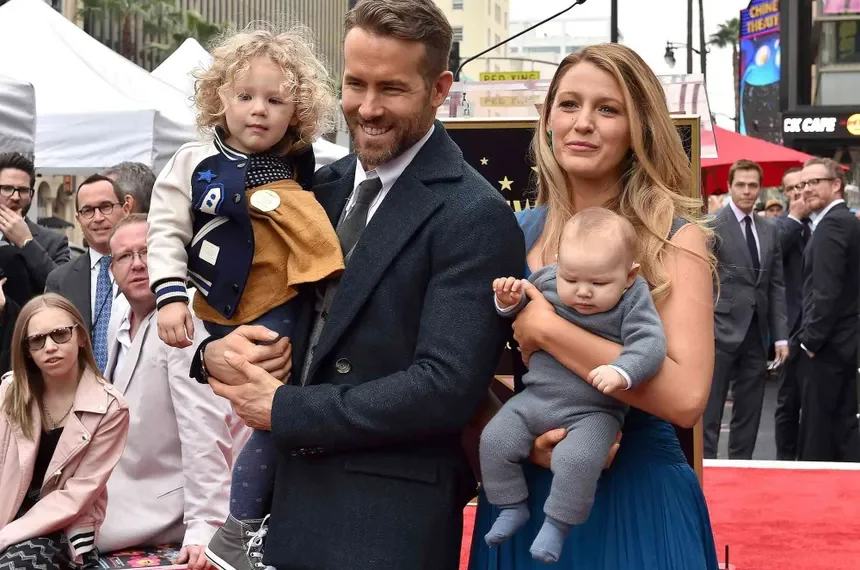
(172, 483)
(794, 231)
(43, 249)
(828, 336)
(87, 281)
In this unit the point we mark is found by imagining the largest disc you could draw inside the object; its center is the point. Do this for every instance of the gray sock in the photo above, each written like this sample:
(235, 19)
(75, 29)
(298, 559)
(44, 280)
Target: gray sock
(508, 523)
(547, 546)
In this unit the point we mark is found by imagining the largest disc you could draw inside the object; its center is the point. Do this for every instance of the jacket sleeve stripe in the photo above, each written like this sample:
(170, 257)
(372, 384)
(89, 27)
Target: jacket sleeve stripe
(170, 292)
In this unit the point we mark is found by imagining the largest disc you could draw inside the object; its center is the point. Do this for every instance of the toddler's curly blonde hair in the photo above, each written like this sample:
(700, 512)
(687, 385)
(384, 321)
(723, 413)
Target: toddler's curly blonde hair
(307, 82)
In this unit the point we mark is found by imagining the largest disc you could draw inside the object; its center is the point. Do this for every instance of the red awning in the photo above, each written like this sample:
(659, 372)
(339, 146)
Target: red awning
(774, 160)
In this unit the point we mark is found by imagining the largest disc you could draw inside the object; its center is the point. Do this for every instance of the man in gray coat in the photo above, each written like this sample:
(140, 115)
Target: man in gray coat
(749, 312)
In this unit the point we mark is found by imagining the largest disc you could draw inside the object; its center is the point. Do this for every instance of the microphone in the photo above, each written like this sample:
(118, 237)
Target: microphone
(515, 36)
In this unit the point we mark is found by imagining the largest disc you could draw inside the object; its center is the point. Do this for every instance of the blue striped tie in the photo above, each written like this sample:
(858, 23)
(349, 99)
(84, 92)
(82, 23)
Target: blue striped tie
(104, 298)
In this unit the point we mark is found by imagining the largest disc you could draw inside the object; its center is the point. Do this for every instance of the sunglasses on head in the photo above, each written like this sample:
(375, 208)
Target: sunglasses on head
(61, 335)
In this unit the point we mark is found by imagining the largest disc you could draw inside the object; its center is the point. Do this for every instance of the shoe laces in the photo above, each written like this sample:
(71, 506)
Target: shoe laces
(255, 544)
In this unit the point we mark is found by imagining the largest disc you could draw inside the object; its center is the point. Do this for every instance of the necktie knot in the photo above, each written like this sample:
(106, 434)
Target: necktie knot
(368, 190)
(104, 262)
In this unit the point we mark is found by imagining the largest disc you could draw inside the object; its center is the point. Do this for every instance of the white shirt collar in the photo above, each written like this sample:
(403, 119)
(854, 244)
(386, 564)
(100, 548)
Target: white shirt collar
(390, 171)
(739, 214)
(95, 257)
(820, 215)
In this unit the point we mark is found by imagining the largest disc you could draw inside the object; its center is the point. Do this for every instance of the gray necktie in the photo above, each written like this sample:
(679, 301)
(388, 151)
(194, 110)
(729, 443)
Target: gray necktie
(355, 221)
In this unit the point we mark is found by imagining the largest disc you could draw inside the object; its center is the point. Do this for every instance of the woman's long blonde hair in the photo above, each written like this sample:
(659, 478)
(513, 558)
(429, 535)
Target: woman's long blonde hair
(28, 384)
(656, 172)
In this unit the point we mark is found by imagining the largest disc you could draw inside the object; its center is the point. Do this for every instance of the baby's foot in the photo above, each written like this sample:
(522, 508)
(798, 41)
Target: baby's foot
(547, 546)
(507, 524)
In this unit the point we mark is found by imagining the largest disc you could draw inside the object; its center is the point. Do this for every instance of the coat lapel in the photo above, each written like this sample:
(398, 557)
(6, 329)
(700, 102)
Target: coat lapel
(333, 194)
(765, 242)
(405, 209)
(736, 232)
(80, 288)
(122, 375)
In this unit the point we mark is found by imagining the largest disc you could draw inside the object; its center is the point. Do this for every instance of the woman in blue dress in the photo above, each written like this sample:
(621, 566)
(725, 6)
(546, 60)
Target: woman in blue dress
(605, 138)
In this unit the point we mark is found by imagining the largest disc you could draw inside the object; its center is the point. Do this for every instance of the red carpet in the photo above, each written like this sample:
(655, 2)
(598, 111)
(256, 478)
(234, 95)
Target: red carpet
(775, 519)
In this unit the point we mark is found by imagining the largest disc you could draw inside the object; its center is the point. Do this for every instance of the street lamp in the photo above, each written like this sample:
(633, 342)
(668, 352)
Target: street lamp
(669, 56)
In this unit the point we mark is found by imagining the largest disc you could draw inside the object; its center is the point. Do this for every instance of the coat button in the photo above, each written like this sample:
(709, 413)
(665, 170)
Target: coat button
(343, 366)
(101, 408)
(85, 437)
(237, 198)
(235, 287)
(228, 308)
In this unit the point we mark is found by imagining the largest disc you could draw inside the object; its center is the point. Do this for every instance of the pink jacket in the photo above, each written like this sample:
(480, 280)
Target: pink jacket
(74, 493)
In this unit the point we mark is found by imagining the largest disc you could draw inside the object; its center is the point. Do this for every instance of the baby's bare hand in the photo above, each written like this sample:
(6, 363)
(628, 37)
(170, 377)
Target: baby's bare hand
(175, 326)
(509, 290)
(607, 379)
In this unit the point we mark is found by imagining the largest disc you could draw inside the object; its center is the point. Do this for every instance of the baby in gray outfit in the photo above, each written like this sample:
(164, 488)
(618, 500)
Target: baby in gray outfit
(596, 286)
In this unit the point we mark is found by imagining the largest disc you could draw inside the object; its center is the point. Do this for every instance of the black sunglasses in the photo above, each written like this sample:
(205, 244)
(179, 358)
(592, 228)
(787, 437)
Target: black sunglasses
(61, 335)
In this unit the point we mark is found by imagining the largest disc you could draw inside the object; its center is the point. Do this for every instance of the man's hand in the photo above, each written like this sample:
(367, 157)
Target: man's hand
(810, 354)
(527, 325)
(254, 396)
(509, 290)
(607, 379)
(175, 325)
(780, 355)
(193, 556)
(276, 359)
(14, 227)
(2, 294)
(798, 208)
(542, 449)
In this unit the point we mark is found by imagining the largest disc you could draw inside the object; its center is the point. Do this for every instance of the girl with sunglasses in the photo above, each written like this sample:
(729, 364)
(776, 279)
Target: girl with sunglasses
(62, 430)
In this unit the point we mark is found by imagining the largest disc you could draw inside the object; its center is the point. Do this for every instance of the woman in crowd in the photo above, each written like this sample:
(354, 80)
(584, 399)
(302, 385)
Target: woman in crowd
(605, 138)
(62, 431)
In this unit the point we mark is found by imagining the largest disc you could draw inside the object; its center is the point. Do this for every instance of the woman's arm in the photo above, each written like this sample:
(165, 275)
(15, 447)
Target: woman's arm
(679, 392)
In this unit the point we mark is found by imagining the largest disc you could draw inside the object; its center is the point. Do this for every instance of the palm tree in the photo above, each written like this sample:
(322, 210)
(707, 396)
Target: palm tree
(180, 26)
(728, 34)
(126, 14)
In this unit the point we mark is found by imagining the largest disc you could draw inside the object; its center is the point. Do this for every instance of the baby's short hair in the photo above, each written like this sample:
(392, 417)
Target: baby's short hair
(605, 226)
(292, 49)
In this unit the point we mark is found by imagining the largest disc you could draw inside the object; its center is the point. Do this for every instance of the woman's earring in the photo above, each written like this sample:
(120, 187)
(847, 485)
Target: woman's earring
(549, 136)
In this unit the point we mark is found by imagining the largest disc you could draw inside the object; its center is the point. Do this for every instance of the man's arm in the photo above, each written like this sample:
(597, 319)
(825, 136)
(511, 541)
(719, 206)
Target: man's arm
(790, 232)
(459, 344)
(52, 283)
(777, 312)
(40, 263)
(643, 337)
(828, 272)
(207, 445)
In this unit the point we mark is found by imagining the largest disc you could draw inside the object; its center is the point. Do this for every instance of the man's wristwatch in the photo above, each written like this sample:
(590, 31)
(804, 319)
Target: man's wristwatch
(26, 241)
(198, 364)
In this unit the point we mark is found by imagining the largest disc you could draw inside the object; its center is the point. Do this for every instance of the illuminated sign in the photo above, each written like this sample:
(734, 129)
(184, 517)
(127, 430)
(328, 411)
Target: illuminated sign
(817, 126)
(809, 125)
(509, 75)
(761, 17)
(852, 125)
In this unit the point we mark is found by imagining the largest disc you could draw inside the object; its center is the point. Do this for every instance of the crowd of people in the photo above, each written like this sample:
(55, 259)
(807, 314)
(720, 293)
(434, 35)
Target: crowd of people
(303, 404)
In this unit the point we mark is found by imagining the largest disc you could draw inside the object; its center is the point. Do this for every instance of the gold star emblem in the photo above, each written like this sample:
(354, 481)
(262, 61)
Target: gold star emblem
(506, 184)
(484, 161)
(534, 168)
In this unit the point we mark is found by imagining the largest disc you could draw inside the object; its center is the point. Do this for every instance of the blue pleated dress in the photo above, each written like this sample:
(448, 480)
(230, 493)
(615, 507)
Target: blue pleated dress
(649, 512)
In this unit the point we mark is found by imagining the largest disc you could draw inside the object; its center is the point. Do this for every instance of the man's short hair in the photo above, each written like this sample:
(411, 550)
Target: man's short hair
(18, 161)
(100, 178)
(792, 170)
(834, 169)
(744, 164)
(134, 179)
(411, 20)
(135, 218)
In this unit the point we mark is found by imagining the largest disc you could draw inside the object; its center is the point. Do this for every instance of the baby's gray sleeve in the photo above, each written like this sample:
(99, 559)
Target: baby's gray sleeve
(642, 335)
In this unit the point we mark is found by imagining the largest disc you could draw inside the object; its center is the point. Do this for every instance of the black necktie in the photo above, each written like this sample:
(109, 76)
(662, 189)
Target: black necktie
(349, 231)
(751, 244)
(807, 230)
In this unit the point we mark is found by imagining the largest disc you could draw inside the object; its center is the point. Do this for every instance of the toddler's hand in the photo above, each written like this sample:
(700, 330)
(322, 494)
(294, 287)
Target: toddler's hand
(607, 379)
(509, 290)
(175, 326)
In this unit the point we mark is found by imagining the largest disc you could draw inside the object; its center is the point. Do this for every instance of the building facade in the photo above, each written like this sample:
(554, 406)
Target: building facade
(479, 24)
(819, 99)
(543, 48)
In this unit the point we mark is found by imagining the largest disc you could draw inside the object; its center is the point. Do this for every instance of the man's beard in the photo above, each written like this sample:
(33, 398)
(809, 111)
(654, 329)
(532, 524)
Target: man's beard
(405, 138)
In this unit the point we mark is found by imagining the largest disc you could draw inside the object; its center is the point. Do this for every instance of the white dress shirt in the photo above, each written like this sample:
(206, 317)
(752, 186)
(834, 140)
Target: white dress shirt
(123, 333)
(388, 173)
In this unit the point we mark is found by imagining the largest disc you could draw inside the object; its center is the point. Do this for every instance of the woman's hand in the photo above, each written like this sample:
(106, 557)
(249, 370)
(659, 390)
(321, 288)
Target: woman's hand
(2, 294)
(528, 324)
(544, 444)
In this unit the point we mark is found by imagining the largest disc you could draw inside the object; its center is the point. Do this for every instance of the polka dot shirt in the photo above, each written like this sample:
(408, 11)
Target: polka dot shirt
(265, 169)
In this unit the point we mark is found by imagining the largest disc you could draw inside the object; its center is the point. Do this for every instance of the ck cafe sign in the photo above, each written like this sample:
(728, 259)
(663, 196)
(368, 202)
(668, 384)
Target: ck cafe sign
(823, 126)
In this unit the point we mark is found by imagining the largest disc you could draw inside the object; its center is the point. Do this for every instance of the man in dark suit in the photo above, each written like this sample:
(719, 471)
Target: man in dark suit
(828, 334)
(43, 249)
(401, 349)
(87, 281)
(750, 310)
(794, 232)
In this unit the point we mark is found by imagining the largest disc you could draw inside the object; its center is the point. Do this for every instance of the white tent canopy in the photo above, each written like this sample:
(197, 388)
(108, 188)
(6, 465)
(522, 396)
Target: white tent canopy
(94, 107)
(17, 117)
(190, 56)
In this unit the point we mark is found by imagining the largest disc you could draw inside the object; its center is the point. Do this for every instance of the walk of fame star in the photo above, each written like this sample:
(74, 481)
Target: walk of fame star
(506, 184)
(484, 161)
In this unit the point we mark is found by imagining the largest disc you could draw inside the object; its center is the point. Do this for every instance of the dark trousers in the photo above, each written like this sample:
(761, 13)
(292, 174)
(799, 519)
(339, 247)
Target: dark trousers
(743, 370)
(829, 428)
(787, 415)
